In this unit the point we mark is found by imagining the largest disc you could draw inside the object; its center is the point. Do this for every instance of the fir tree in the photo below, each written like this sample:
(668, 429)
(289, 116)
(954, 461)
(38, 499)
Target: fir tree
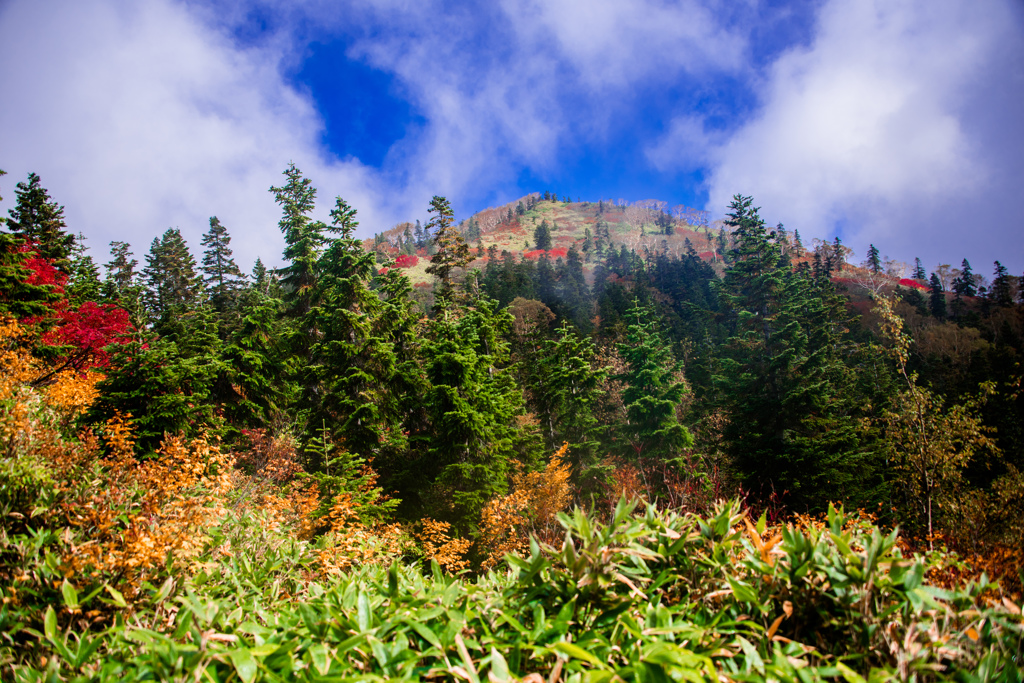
(84, 281)
(1001, 292)
(937, 298)
(874, 261)
(39, 220)
(222, 278)
(781, 377)
(919, 273)
(471, 407)
(654, 389)
(304, 240)
(964, 284)
(172, 285)
(450, 251)
(542, 236)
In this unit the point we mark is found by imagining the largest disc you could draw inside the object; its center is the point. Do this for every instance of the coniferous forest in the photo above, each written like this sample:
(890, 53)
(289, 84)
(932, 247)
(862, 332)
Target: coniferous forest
(555, 441)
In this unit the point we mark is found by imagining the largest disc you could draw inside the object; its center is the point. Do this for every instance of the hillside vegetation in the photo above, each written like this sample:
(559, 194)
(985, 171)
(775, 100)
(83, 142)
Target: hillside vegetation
(556, 441)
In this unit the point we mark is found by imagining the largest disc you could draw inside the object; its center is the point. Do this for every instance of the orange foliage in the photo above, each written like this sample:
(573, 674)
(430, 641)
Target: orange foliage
(438, 545)
(531, 508)
(149, 510)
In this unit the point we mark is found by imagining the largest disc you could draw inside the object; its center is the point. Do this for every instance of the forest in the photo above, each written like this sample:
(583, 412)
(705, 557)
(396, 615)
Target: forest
(555, 441)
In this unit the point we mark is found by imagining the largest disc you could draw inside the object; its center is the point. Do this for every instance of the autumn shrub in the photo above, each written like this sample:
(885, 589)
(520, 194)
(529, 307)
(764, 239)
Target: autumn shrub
(507, 522)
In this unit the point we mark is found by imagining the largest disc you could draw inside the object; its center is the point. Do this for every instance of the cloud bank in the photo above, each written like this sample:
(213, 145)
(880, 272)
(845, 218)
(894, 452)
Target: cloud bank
(892, 121)
(898, 126)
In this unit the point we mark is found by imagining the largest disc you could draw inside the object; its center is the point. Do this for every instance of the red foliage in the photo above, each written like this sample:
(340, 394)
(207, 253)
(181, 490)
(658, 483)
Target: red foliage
(906, 282)
(707, 255)
(422, 284)
(85, 330)
(88, 330)
(558, 252)
(43, 272)
(383, 271)
(406, 261)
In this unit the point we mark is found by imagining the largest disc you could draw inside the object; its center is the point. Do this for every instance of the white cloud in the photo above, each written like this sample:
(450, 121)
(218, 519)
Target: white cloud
(875, 127)
(138, 118)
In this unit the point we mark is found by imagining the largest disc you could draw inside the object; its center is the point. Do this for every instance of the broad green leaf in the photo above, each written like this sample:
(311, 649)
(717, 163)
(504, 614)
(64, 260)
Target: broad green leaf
(70, 595)
(116, 595)
(499, 667)
(321, 657)
(244, 663)
(50, 623)
(577, 652)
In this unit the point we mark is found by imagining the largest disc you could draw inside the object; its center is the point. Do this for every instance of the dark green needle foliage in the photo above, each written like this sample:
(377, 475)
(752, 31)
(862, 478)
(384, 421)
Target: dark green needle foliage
(654, 389)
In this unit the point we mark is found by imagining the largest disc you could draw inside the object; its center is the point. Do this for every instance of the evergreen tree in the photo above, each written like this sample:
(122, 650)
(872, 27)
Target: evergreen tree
(542, 236)
(781, 377)
(937, 298)
(1001, 292)
(874, 261)
(40, 220)
(172, 285)
(19, 297)
(84, 281)
(349, 368)
(304, 240)
(471, 407)
(166, 383)
(451, 251)
(964, 284)
(919, 273)
(259, 364)
(654, 389)
(222, 278)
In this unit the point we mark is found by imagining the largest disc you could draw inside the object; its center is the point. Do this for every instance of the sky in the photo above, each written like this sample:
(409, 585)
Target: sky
(898, 123)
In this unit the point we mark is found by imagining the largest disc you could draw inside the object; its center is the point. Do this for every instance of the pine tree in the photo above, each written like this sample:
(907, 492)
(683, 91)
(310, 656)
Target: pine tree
(451, 251)
(222, 278)
(40, 220)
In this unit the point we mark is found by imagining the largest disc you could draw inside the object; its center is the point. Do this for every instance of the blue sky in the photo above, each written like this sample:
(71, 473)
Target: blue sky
(893, 122)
